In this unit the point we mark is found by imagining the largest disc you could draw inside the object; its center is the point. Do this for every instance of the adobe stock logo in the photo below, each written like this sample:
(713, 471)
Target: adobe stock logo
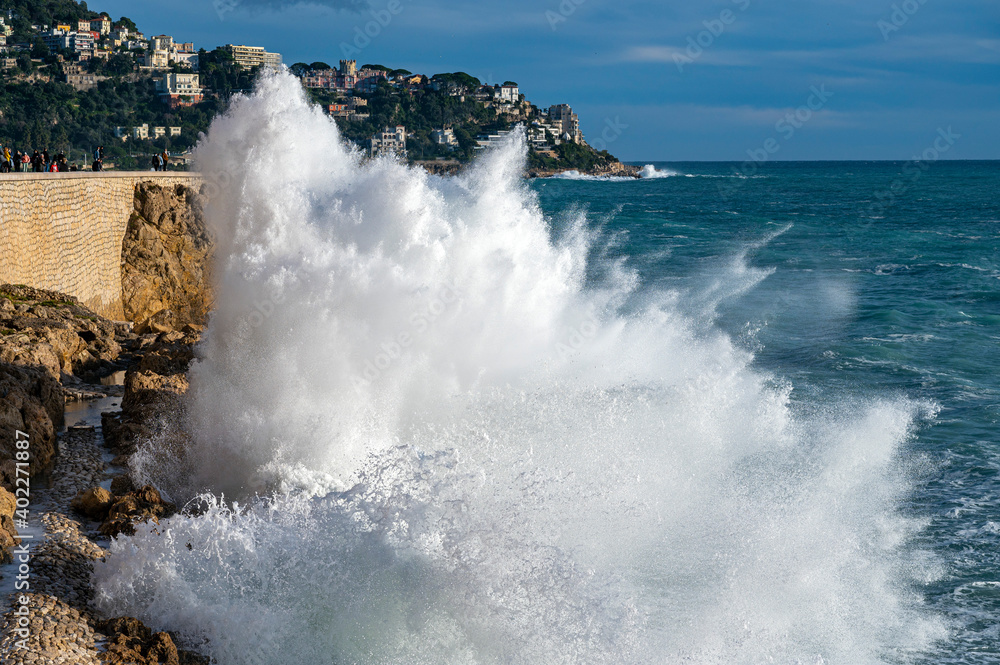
(394, 349)
(899, 17)
(363, 35)
(223, 7)
(566, 9)
(697, 44)
(785, 129)
(609, 134)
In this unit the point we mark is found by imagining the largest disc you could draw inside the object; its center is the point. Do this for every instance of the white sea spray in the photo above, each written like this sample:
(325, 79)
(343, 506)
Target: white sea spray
(449, 447)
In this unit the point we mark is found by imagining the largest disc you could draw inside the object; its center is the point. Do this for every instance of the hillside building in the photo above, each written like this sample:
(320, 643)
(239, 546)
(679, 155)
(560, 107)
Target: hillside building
(444, 136)
(179, 89)
(391, 140)
(101, 25)
(563, 116)
(249, 57)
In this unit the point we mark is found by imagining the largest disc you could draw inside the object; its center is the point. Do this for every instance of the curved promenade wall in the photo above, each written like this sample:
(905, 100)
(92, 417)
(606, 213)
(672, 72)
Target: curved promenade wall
(64, 231)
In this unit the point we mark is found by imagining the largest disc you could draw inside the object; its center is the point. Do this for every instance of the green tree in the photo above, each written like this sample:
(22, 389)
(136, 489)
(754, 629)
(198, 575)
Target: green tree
(459, 78)
(117, 64)
(127, 23)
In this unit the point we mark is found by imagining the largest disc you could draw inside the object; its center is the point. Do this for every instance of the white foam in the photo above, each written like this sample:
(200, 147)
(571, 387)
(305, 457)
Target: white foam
(576, 175)
(650, 171)
(521, 473)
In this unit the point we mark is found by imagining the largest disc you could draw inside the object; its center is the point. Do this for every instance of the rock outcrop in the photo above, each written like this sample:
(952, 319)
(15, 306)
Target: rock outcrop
(52, 331)
(154, 387)
(130, 642)
(617, 170)
(47, 339)
(133, 508)
(120, 514)
(31, 401)
(166, 259)
(94, 503)
(8, 534)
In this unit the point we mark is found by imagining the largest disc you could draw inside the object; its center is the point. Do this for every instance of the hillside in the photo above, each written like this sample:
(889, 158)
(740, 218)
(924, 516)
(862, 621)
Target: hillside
(447, 116)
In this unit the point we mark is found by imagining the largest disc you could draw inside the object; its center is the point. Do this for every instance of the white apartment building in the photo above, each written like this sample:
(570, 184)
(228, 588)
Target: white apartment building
(485, 141)
(391, 140)
(249, 57)
(563, 116)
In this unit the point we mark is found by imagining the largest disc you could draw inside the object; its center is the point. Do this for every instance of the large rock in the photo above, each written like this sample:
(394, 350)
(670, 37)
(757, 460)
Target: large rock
(47, 338)
(94, 503)
(154, 388)
(130, 642)
(134, 508)
(31, 401)
(166, 258)
(52, 331)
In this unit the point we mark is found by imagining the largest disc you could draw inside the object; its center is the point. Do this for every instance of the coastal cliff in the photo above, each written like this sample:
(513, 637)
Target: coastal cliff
(166, 259)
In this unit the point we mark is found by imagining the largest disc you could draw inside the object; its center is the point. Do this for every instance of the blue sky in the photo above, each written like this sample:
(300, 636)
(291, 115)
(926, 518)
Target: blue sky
(890, 73)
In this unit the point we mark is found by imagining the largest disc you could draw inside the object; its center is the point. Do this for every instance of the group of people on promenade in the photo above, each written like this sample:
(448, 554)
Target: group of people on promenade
(39, 162)
(43, 162)
(160, 161)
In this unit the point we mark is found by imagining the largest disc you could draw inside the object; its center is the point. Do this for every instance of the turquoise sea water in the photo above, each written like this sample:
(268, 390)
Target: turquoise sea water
(879, 279)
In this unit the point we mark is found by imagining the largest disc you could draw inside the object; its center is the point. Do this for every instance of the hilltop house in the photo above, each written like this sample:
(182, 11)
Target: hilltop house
(509, 93)
(346, 79)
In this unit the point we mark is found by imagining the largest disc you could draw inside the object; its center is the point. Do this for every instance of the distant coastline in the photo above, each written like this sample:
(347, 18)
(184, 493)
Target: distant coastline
(140, 93)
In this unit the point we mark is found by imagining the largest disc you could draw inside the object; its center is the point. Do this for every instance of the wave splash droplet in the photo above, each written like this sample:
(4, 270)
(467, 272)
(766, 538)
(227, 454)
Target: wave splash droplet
(451, 444)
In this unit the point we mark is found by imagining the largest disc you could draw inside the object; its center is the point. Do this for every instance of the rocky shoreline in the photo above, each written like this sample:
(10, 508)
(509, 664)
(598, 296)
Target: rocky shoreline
(71, 515)
(73, 484)
(612, 170)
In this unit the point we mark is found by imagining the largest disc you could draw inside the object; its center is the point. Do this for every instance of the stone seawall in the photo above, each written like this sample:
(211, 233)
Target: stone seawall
(64, 231)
